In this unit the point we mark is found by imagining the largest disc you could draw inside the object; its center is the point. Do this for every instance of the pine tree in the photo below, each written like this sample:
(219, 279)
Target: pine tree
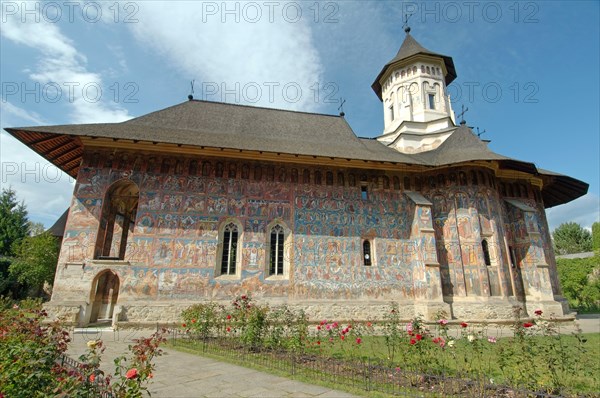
(14, 225)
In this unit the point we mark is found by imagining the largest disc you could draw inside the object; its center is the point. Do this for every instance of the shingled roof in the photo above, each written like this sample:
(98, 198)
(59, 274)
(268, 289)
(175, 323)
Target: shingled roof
(220, 125)
(410, 47)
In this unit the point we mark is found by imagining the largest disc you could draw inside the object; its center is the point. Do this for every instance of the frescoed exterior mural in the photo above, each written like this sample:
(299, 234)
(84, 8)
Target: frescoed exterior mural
(426, 244)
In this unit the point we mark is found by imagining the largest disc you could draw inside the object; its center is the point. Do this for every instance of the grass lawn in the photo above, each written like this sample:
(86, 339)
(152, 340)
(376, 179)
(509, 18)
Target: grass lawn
(576, 363)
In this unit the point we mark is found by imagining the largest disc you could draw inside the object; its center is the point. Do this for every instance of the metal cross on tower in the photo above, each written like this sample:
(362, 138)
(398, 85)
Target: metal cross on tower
(461, 115)
(405, 26)
(341, 107)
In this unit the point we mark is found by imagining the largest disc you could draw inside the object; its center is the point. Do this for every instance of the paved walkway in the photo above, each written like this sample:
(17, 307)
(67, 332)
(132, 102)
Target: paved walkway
(182, 375)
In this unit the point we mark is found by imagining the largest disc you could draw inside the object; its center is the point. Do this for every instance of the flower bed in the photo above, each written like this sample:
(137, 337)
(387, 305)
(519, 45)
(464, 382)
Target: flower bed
(446, 358)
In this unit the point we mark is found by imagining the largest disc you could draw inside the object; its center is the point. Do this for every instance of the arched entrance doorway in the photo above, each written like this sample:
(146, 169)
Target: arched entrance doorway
(104, 294)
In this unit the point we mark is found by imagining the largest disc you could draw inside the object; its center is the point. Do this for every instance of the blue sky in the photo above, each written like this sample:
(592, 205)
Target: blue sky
(528, 72)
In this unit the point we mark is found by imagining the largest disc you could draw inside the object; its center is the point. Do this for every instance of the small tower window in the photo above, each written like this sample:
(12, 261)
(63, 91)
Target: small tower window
(392, 112)
(367, 253)
(364, 193)
(431, 101)
(486, 252)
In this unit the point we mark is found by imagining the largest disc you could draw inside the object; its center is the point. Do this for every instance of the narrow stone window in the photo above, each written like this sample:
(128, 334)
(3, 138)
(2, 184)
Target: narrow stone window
(513, 260)
(367, 253)
(276, 251)
(364, 192)
(486, 252)
(230, 245)
(392, 116)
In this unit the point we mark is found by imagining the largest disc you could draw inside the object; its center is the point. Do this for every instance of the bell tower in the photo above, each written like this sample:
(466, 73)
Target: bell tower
(417, 111)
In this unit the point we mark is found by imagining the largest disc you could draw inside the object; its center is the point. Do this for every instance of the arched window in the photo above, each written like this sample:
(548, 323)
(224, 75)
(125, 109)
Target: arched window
(367, 253)
(117, 220)
(486, 252)
(396, 183)
(276, 252)
(294, 177)
(230, 249)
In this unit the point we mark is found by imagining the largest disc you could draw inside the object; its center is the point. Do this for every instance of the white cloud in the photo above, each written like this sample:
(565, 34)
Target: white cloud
(60, 63)
(584, 211)
(45, 189)
(202, 47)
(9, 111)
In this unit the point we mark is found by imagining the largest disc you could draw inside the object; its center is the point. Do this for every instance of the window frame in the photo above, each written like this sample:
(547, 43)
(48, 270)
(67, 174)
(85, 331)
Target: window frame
(284, 250)
(223, 230)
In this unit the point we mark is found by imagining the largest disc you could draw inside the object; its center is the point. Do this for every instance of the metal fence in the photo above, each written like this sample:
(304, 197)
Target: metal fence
(367, 374)
(75, 367)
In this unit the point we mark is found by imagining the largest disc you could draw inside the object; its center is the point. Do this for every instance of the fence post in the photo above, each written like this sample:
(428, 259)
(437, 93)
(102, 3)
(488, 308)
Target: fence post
(293, 357)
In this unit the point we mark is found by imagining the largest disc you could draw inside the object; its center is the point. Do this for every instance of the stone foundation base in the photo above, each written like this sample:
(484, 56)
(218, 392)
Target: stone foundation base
(478, 310)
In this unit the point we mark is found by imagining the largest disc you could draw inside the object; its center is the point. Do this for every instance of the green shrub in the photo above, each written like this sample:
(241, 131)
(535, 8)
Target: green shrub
(580, 281)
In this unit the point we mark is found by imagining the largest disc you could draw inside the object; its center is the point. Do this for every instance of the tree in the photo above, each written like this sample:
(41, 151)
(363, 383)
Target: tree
(571, 238)
(36, 228)
(14, 225)
(35, 262)
(596, 236)
(580, 282)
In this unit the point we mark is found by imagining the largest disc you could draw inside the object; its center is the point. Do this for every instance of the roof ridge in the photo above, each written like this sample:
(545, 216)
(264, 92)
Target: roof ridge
(235, 105)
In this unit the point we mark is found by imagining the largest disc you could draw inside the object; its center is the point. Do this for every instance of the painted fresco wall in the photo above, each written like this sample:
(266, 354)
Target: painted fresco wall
(173, 249)
(172, 253)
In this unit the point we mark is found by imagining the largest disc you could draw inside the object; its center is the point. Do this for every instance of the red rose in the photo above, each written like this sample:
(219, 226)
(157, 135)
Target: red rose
(183, 324)
(318, 327)
(131, 373)
(419, 337)
(527, 324)
(342, 337)
(318, 343)
(193, 321)
(413, 341)
(228, 316)
(228, 329)
(538, 312)
(464, 324)
(358, 340)
(92, 378)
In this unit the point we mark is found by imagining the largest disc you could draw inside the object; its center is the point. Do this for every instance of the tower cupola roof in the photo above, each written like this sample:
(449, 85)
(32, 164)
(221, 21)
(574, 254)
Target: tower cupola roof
(409, 48)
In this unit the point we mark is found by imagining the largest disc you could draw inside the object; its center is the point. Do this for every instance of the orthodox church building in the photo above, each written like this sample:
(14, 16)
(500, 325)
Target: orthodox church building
(205, 201)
